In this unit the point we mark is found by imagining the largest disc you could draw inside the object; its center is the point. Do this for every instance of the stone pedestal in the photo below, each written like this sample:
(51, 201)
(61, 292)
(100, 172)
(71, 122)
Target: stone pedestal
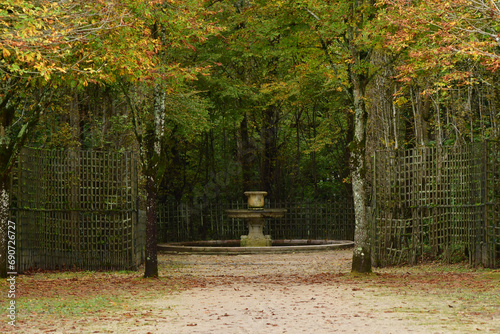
(255, 237)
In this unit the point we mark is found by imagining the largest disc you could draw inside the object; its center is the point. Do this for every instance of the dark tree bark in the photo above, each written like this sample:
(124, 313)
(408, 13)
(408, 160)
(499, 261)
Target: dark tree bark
(246, 155)
(151, 266)
(269, 167)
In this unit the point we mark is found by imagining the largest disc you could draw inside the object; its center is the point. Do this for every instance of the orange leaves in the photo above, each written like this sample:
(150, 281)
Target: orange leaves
(95, 40)
(437, 34)
(54, 38)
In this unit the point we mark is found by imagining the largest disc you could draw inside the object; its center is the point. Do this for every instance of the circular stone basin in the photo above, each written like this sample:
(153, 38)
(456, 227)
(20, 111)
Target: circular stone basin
(232, 246)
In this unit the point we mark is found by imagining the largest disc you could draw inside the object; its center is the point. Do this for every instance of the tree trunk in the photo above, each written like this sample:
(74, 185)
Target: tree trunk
(4, 221)
(361, 259)
(151, 267)
(269, 180)
(154, 169)
(246, 155)
(359, 75)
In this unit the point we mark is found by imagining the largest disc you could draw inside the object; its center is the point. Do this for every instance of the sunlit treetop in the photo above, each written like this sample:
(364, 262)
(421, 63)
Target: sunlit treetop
(439, 35)
(93, 40)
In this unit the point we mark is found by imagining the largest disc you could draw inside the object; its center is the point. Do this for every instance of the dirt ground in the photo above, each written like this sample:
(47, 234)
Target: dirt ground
(287, 294)
(293, 293)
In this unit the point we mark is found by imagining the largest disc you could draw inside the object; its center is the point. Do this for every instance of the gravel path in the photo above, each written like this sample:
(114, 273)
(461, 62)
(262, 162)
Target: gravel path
(261, 308)
(286, 293)
(277, 294)
(256, 265)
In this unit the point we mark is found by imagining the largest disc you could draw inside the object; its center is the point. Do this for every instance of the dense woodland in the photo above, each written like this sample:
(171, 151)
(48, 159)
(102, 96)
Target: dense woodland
(219, 97)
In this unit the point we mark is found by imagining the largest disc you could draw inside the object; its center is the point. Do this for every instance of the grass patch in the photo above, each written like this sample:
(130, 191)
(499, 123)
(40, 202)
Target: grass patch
(65, 307)
(451, 297)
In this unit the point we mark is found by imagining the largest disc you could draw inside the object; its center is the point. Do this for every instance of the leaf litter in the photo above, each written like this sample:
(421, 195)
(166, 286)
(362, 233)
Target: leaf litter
(268, 291)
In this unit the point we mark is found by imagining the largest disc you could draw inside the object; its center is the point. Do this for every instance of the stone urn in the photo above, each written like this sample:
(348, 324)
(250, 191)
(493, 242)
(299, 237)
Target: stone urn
(255, 199)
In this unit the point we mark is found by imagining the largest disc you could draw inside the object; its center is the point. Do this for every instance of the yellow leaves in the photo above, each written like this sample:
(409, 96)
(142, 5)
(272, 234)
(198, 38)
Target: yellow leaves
(43, 71)
(29, 58)
(274, 87)
(58, 39)
(399, 101)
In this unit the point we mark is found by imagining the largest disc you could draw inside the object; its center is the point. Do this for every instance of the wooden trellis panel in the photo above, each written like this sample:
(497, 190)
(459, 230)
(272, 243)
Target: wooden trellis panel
(492, 208)
(76, 209)
(439, 202)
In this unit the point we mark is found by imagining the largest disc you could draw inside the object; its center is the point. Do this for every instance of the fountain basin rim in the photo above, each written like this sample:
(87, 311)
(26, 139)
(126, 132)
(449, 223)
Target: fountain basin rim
(279, 246)
(256, 213)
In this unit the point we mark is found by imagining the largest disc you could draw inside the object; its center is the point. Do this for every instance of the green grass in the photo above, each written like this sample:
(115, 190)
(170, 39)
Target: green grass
(66, 307)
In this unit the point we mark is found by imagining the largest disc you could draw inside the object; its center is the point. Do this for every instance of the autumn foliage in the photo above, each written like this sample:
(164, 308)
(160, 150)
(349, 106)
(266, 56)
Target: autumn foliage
(440, 35)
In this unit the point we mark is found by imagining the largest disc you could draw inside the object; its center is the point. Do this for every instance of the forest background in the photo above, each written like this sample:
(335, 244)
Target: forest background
(219, 97)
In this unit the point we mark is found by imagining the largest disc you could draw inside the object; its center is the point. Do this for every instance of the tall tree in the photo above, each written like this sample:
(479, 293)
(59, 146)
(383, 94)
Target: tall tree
(44, 45)
(347, 37)
(360, 13)
(163, 104)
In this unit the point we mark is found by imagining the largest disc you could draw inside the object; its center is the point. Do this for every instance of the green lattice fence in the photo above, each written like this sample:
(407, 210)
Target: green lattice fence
(76, 209)
(303, 220)
(437, 203)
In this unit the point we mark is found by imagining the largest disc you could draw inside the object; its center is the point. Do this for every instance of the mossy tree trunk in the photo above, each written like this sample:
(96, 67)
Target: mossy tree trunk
(361, 12)
(154, 161)
(361, 260)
